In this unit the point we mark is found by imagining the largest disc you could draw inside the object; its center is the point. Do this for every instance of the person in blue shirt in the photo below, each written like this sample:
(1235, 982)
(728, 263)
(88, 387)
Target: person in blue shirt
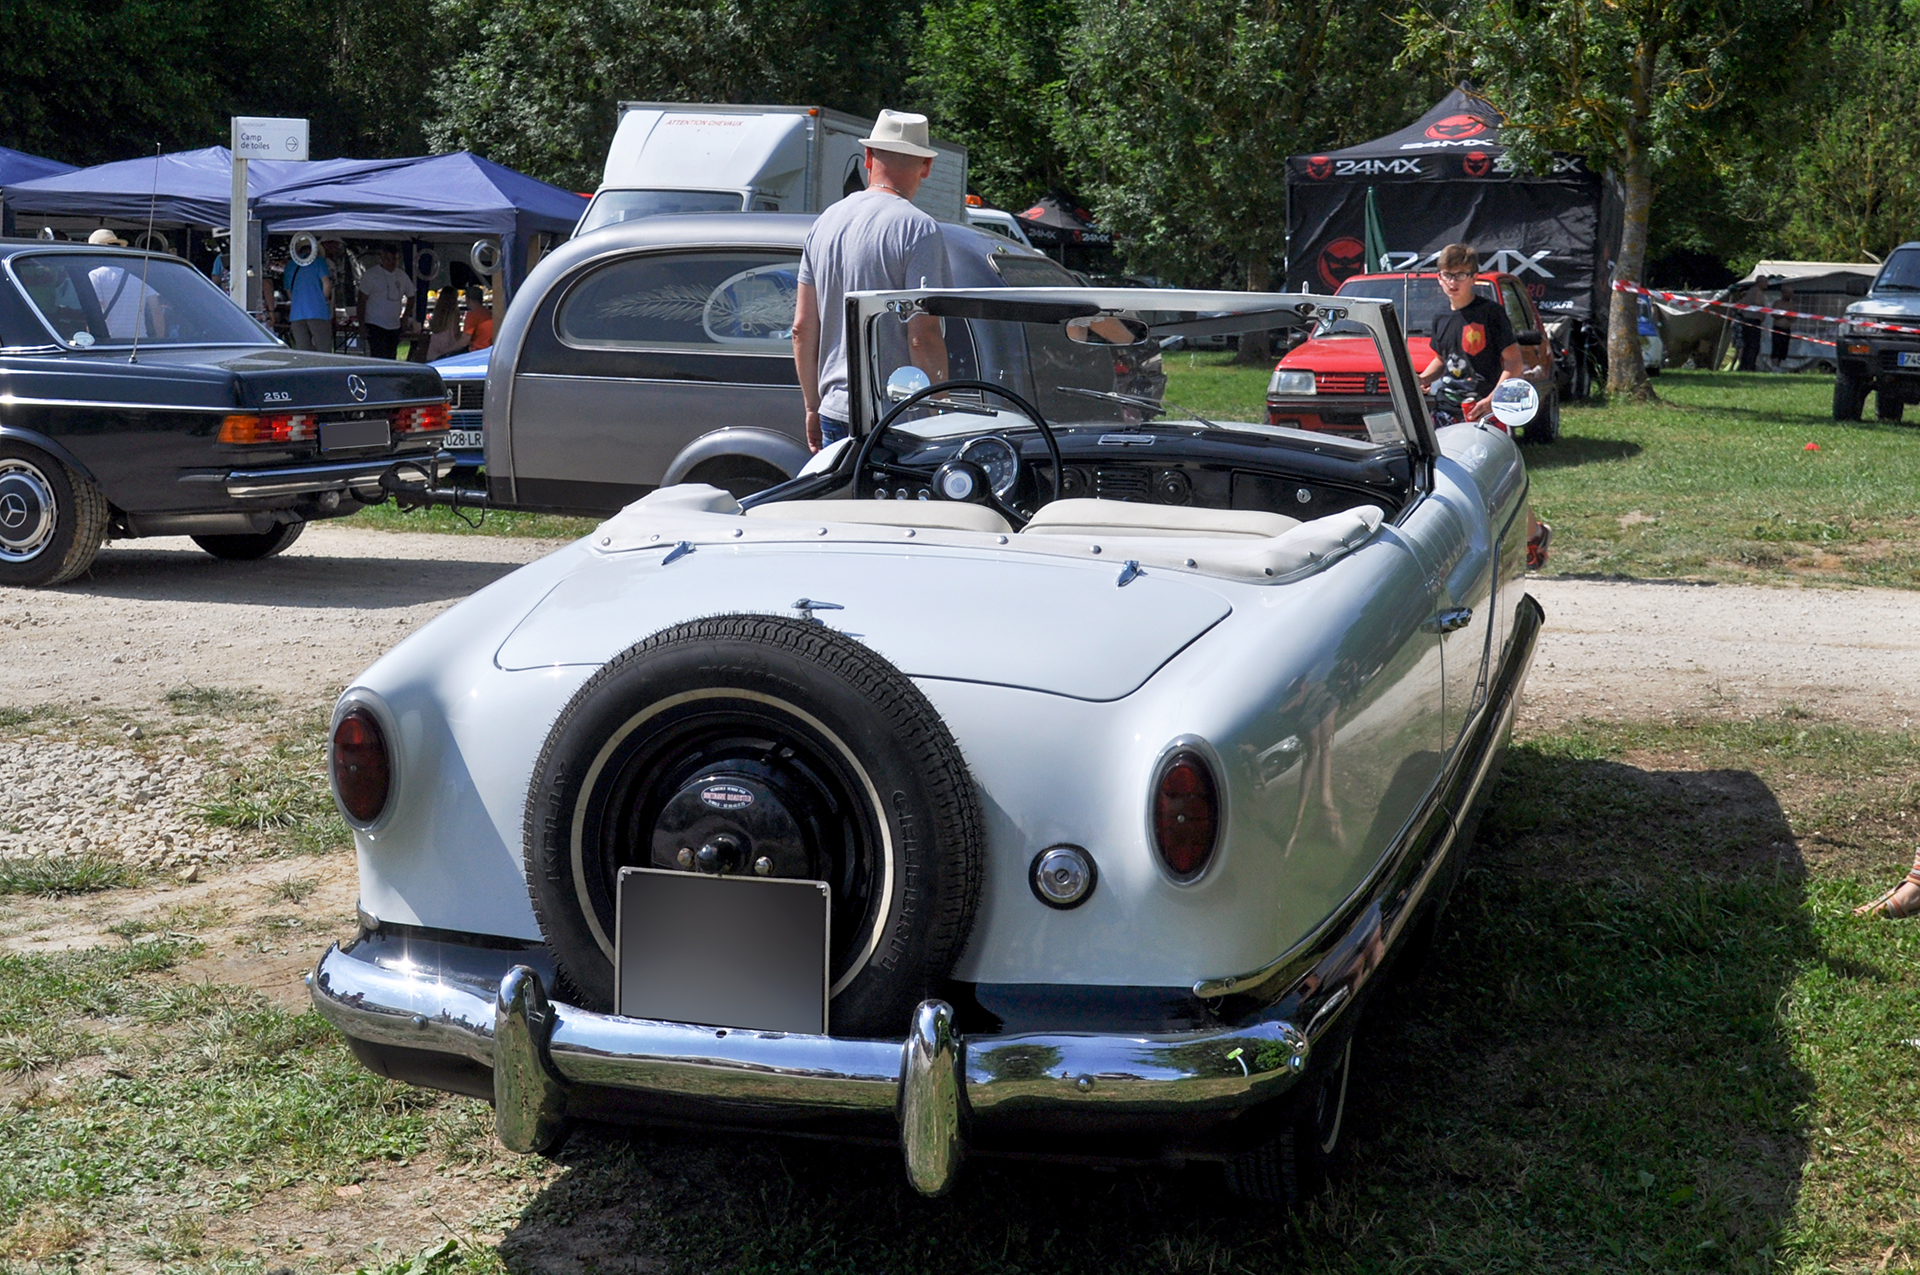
(310, 303)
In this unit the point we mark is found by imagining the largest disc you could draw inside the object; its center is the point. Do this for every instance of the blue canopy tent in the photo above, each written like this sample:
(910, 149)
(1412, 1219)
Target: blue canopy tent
(18, 166)
(186, 188)
(438, 197)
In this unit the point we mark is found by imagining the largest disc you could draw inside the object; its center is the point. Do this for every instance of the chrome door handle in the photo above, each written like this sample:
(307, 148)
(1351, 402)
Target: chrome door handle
(1454, 620)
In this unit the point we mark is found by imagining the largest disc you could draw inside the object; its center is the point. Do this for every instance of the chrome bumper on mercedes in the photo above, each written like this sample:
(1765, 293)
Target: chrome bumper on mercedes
(353, 477)
(936, 1084)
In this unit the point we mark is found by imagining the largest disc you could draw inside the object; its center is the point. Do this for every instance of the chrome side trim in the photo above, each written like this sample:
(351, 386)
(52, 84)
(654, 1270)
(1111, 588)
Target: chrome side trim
(1467, 773)
(932, 1094)
(529, 1102)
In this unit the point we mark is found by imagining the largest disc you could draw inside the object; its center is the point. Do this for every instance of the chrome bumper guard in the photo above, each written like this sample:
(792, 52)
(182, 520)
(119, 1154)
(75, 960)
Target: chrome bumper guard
(352, 476)
(935, 1083)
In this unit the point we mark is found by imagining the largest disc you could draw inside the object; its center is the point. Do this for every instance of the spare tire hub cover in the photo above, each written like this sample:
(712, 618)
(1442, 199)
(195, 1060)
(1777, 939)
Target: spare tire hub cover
(745, 802)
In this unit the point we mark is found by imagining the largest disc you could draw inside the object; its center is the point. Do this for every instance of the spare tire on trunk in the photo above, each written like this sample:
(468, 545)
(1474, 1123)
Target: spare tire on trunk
(830, 765)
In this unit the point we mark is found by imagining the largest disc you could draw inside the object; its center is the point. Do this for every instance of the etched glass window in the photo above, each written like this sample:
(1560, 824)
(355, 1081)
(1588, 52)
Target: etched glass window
(736, 301)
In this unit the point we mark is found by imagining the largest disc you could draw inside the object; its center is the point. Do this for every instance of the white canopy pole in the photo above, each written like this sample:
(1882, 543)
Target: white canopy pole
(237, 236)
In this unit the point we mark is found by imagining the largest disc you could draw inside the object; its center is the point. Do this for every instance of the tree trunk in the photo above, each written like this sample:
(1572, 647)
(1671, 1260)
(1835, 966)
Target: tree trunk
(1254, 348)
(1626, 371)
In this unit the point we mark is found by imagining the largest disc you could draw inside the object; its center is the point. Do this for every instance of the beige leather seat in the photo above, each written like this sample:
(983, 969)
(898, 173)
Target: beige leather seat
(948, 514)
(1081, 517)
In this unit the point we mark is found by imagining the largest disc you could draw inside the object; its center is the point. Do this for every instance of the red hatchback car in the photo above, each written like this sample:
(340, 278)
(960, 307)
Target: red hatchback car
(1333, 381)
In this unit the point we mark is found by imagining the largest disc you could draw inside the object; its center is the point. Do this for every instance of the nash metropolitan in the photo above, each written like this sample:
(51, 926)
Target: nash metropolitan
(137, 400)
(1006, 782)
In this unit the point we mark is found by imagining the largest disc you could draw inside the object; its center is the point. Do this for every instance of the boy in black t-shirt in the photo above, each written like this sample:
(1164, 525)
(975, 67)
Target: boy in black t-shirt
(1473, 340)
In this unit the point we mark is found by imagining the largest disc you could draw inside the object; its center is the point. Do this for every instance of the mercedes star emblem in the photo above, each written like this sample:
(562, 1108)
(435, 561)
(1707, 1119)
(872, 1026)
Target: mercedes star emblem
(13, 509)
(357, 386)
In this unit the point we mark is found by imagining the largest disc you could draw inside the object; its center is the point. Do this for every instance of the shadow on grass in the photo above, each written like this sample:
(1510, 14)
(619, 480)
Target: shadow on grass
(1589, 1074)
(1569, 451)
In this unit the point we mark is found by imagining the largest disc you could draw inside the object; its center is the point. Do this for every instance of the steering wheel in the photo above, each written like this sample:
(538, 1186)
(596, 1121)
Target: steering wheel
(865, 464)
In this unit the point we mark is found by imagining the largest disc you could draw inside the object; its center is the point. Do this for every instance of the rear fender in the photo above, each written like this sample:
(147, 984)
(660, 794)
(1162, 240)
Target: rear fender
(33, 438)
(782, 452)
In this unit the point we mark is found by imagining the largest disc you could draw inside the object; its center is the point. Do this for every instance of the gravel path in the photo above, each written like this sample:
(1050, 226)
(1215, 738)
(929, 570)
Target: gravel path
(158, 614)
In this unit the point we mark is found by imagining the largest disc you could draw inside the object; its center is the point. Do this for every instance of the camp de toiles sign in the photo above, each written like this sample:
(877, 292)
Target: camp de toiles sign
(255, 138)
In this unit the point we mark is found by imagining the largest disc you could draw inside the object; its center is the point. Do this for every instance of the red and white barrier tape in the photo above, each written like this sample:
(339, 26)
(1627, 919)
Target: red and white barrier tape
(1680, 298)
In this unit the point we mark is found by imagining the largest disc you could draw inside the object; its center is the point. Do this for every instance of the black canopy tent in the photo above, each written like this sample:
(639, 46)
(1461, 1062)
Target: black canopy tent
(1445, 179)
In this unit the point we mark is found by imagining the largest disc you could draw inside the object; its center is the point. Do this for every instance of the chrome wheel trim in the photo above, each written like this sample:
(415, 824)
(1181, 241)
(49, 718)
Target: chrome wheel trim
(29, 511)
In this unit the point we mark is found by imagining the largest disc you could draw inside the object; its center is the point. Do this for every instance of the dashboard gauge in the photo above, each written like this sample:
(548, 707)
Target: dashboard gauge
(997, 456)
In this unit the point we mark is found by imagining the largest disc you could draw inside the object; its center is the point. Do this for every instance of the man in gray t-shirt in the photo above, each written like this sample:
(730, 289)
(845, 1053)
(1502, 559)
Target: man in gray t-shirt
(873, 240)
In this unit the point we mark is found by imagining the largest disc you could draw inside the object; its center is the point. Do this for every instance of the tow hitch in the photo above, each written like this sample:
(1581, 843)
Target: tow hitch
(412, 485)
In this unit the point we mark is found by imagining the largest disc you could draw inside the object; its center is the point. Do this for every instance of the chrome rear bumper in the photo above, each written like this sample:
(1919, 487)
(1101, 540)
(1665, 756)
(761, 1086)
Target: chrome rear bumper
(937, 1085)
(350, 476)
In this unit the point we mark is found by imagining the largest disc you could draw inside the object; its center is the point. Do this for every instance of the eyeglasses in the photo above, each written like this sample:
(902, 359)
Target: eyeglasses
(1456, 276)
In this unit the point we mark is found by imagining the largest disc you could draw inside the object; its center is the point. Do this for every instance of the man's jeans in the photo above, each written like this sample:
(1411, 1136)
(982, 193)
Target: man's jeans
(831, 431)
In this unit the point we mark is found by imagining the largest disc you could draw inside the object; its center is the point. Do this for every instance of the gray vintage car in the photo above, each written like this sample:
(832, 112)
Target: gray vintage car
(658, 351)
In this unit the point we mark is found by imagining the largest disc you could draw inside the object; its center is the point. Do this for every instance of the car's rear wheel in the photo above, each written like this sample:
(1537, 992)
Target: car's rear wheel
(1293, 1165)
(1888, 406)
(250, 548)
(52, 521)
(1849, 394)
(848, 774)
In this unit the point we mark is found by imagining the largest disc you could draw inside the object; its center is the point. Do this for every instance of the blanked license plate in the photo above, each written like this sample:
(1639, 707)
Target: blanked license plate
(748, 952)
(471, 440)
(1908, 358)
(350, 436)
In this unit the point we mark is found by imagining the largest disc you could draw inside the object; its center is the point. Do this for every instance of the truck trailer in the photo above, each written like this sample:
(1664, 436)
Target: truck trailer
(675, 157)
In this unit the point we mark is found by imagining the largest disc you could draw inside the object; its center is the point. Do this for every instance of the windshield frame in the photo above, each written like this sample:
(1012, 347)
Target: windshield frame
(738, 196)
(1257, 311)
(266, 339)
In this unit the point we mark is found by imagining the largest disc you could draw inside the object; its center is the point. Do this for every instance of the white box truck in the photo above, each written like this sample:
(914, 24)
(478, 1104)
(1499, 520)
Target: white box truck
(674, 157)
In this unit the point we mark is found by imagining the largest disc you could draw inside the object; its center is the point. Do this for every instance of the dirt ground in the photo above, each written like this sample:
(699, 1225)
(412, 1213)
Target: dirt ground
(157, 616)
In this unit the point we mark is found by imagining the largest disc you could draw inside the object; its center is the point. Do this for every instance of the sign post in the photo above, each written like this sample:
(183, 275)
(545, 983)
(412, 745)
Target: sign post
(254, 138)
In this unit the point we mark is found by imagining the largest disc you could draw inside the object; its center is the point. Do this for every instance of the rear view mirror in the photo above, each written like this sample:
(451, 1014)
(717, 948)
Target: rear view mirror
(906, 382)
(1107, 329)
(1515, 403)
(1528, 336)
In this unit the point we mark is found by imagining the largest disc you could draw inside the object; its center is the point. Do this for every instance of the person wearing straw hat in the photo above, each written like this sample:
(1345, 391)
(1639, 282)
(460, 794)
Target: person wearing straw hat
(873, 240)
(121, 292)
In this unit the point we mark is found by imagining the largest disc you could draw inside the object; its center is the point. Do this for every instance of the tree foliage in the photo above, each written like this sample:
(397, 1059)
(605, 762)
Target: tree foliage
(538, 84)
(1180, 114)
(990, 74)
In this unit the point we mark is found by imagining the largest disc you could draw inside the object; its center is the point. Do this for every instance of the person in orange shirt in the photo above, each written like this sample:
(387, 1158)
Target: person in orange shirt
(479, 324)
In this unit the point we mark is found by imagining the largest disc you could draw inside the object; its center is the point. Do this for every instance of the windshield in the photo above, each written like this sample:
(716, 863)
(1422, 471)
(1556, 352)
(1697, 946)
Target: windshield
(1901, 273)
(1106, 387)
(1418, 299)
(611, 207)
(101, 300)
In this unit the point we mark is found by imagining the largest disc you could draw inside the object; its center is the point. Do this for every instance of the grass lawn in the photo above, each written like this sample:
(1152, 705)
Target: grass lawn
(1651, 1038)
(1715, 482)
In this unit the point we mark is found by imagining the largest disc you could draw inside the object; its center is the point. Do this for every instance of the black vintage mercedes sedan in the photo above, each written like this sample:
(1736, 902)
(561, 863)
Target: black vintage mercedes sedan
(137, 400)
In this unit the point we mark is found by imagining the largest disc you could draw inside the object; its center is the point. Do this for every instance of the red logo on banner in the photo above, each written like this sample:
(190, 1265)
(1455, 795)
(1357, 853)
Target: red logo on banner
(1456, 126)
(1476, 163)
(1341, 260)
(1473, 338)
(1319, 168)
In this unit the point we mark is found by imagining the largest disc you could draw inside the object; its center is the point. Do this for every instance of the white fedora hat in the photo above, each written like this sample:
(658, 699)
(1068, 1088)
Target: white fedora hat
(901, 132)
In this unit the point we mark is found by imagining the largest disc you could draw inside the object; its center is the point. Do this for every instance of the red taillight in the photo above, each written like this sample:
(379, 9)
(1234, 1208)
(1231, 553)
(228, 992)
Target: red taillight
(1186, 815)
(283, 427)
(420, 420)
(362, 773)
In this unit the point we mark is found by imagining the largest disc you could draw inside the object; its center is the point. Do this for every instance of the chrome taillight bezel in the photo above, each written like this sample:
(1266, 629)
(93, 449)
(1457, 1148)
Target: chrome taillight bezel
(1196, 750)
(354, 701)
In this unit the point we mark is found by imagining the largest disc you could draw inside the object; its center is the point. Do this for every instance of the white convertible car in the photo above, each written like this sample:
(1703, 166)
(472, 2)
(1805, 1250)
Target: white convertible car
(1057, 786)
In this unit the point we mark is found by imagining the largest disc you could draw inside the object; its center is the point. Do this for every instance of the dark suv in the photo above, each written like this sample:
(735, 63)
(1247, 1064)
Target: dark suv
(1887, 363)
